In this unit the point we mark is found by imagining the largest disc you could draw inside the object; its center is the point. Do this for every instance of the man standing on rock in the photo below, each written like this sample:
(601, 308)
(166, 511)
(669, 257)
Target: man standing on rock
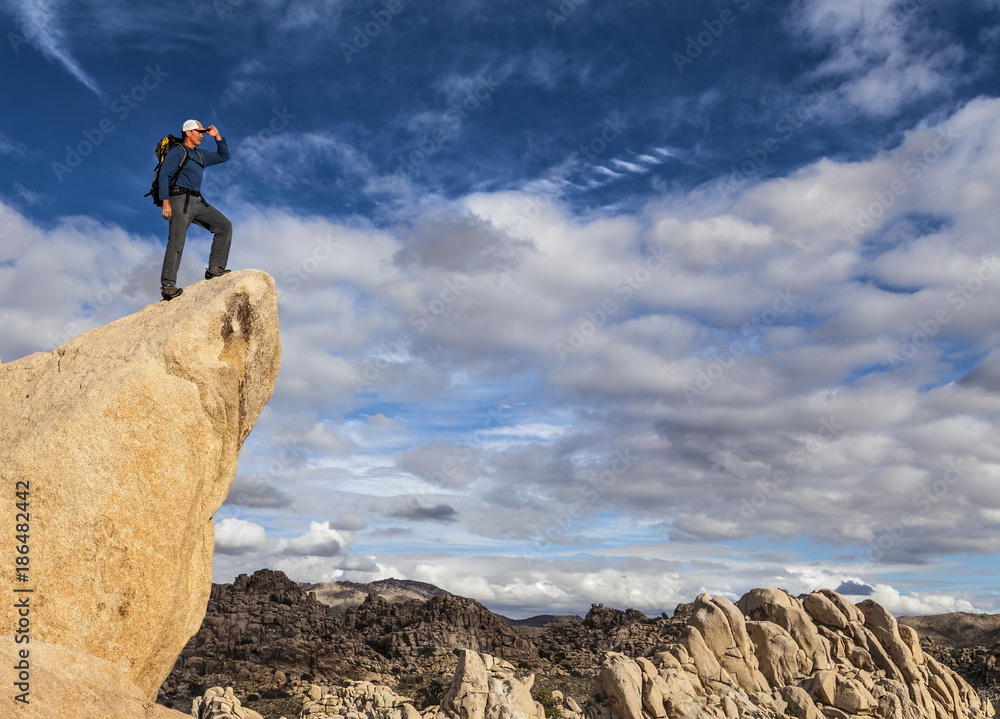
(184, 189)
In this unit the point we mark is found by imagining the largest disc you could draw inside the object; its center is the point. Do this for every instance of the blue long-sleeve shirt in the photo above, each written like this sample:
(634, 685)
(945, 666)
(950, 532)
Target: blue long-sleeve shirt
(191, 175)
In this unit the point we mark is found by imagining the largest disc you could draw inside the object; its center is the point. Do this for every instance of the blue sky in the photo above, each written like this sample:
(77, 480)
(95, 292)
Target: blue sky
(580, 302)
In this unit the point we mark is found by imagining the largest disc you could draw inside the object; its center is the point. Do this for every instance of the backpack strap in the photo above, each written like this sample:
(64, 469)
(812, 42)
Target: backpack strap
(181, 166)
(187, 155)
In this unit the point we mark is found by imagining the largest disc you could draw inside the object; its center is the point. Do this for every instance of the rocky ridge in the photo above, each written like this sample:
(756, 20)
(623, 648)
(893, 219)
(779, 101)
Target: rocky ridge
(264, 629)
(957, 629)
(424, 635)
(968, 643)
(815, 656)
(772, 655)
(576, 647)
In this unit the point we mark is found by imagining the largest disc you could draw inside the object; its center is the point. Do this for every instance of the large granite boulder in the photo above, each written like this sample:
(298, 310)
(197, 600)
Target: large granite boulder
(66, 683)
(484, 687)
(125, 442)
(219, 703)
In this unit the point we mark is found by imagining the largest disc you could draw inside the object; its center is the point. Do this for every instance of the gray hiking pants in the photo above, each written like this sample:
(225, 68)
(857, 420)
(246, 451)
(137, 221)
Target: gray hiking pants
(203, 215)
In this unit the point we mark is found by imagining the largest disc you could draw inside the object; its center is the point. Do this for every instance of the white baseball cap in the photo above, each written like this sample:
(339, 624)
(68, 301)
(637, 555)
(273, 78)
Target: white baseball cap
(190, 125)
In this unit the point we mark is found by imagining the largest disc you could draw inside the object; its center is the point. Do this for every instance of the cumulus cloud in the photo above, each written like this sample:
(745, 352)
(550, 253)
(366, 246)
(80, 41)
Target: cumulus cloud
(851, 588)
(348, 523)
(920, 602)
(239, 536)
(321, 540)
(104, 273)
(459, 243)
(358, 564)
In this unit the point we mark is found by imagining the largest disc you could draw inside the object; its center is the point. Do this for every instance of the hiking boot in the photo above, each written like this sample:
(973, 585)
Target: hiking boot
(168, 292)
(213, 272)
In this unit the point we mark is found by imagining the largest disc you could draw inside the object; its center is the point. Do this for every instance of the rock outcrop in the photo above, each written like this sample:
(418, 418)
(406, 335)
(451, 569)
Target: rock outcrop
(219, 703)
(126, 442)
(482, 687)
(266, 622)
(360, 700)
(771, 655)
(576, 647)
(485, 687)
(980, 666)
(425, 634)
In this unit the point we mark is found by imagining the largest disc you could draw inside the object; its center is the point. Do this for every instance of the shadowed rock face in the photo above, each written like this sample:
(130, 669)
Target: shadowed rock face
(127, 438)
(265, 622)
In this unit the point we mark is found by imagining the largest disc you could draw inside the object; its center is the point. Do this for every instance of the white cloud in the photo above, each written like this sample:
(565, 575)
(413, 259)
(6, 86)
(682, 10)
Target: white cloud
(521, 586)
(104, 273)
(920, 602)
(41, 28)
(239, 536)
(770, 373)
(884, 54)
(321, 540)
(630, 166)
(249, 80)
(12, 147)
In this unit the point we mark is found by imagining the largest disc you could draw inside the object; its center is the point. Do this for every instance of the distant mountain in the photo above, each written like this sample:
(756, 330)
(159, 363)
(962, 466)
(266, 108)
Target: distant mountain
(541, 620)
(958, 629)
(342, 596)
(968, 643)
